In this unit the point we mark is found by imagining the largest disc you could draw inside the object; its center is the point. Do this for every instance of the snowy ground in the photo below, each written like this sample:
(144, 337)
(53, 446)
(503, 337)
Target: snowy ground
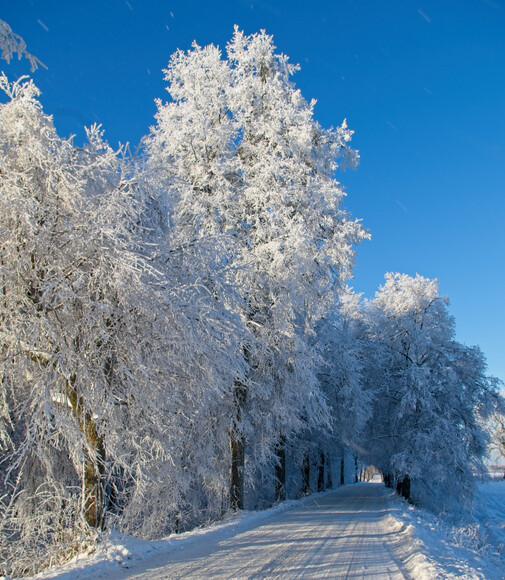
(490, 513)
(357, 531)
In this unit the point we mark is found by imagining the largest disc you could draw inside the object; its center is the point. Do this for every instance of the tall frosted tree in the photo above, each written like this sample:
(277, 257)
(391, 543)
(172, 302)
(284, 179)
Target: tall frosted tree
(246, 163)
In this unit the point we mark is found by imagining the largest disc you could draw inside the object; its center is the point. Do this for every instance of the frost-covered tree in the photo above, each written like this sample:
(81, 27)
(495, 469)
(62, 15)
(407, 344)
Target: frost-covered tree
(114, 362)
(202, 349)
(431, 394)
(302, 240)
(55, 331)
(246, 163)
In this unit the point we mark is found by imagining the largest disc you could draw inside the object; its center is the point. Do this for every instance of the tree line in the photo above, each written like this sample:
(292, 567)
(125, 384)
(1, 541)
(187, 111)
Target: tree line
(177, 335)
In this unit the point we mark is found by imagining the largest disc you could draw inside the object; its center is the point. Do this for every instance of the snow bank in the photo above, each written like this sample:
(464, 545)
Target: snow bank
(120, 551)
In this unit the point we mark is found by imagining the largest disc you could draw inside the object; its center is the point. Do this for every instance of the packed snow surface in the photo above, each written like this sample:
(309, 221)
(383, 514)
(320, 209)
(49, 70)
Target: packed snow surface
(356, 531)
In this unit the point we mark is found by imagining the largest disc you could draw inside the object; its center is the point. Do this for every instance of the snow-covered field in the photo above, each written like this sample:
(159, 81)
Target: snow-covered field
(359, 530)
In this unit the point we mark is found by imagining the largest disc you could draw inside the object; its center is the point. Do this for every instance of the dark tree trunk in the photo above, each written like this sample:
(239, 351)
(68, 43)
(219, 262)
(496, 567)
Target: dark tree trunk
(280, 470)
(403, 487)
(306, 475)
(320, 473)
(329, 479)
(355, 469)
(237, 446)
(93, 476)
(342, 468)
(237, 472)
(388, 480)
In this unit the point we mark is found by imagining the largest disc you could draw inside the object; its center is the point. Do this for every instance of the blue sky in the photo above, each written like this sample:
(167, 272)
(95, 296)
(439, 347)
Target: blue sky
(422, 84)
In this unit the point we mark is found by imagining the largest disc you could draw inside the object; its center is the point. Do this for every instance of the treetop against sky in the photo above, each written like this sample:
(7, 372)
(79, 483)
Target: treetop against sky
(422, 86)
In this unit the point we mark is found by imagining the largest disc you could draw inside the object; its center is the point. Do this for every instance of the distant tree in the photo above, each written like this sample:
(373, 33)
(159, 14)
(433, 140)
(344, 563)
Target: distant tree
(432, 394)
(341, 339)
(497, 432)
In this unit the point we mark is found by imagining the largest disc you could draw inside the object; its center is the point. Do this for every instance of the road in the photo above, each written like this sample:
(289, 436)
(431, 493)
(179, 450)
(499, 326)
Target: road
(348, 533)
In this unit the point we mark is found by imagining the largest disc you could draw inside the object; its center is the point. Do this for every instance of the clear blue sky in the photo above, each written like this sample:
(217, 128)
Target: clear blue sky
(422, 84)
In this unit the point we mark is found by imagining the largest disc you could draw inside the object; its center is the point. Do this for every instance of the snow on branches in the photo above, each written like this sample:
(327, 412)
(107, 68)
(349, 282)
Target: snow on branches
(176, 332)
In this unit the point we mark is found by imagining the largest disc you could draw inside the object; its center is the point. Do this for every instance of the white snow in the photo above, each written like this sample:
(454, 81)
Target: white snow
(359, 530)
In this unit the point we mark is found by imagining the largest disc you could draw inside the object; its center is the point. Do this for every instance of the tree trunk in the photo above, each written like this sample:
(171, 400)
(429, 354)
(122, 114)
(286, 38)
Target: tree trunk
(94, 465)
(237, 473)
(342, 468)
(306, 474)
(93, 476)
(280, 470)
(329, 479)
(388, 480)
(237, 445)
(320, 473)
(403, 487)
(355, 469)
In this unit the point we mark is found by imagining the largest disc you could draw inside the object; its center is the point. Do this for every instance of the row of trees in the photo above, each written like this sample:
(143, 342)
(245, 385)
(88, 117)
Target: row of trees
(176, 334)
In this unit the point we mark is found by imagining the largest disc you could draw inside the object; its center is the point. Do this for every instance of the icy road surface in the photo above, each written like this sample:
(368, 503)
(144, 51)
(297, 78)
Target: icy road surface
(349, 533)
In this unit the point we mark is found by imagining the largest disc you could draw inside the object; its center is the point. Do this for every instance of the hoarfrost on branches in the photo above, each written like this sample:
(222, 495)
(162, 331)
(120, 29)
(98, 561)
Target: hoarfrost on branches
(11, 43)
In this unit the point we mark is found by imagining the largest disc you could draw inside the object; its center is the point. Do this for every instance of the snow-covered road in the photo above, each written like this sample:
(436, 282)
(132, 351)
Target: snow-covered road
(348, 533)
(356, 531)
